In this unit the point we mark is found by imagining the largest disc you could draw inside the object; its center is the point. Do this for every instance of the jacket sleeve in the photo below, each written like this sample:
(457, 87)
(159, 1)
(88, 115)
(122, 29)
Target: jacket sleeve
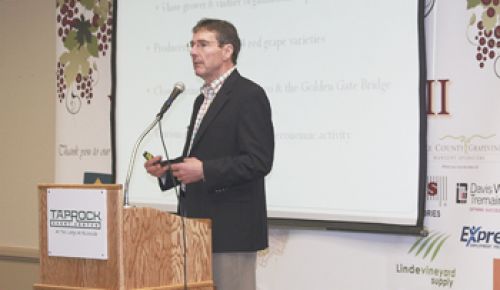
(255, 142)
(168, 181)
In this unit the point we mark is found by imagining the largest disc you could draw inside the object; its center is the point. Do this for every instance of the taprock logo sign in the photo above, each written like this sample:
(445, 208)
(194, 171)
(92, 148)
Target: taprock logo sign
(77, 223)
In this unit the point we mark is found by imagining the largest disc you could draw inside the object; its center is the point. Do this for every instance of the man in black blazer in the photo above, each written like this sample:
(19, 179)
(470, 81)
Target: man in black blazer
(229, 150)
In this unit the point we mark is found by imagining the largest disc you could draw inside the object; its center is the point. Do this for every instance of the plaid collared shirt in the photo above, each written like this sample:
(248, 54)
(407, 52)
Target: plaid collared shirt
(209, 91)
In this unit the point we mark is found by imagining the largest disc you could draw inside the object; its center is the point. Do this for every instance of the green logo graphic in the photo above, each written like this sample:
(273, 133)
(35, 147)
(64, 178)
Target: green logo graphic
(432, 244)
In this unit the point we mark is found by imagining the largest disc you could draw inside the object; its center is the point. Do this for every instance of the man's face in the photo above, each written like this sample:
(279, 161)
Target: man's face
(209, 59)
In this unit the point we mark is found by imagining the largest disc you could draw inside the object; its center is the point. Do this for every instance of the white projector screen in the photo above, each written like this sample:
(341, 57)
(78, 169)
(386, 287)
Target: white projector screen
(344, 79)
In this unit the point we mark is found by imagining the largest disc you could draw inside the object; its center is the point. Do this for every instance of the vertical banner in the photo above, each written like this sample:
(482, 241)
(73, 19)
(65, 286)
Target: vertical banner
(84, 31)
(463, 142)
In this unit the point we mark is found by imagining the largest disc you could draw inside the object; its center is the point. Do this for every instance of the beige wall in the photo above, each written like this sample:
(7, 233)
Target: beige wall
(27, 129)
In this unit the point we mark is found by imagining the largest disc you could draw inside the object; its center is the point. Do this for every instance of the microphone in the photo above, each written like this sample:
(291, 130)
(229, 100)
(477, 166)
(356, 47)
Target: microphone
(178, 89)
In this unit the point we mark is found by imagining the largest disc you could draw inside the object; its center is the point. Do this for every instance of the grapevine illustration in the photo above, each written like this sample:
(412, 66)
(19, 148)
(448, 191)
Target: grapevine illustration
(85, 29)
(484, 32)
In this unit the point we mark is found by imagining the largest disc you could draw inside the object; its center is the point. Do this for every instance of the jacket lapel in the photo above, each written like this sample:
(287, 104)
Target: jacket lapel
(218, 103)
(196, 108)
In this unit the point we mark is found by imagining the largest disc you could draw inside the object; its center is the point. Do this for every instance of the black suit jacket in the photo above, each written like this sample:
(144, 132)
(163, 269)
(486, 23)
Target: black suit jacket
(235, 142)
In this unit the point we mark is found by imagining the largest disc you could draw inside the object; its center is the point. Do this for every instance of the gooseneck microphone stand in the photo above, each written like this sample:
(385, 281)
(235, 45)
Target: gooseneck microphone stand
(126, 203)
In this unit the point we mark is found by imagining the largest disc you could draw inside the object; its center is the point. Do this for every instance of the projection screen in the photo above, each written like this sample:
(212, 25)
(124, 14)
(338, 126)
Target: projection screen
(345, 82)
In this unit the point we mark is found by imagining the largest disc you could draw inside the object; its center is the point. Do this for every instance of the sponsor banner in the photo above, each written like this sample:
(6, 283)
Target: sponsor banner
(77, 223)
(83, 88)
(461, 197)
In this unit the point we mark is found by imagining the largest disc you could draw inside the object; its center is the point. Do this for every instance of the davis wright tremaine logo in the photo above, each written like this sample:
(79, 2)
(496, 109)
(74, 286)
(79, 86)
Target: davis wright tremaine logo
(477, 237)
(462, 190)
(480, 196)
(76, 219)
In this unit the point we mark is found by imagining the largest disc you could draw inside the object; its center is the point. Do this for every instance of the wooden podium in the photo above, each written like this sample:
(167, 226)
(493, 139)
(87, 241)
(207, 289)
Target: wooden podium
(145, 250)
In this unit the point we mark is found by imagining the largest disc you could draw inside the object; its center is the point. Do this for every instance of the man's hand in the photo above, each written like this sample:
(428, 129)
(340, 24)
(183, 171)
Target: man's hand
(189, 171)
(154, 167)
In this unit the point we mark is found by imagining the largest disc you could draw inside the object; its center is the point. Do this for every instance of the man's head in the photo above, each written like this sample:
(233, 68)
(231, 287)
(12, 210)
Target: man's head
(214, 48)
(225, 33)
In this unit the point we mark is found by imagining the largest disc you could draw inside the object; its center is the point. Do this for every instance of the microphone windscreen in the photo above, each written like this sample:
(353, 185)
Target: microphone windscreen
(180, 86)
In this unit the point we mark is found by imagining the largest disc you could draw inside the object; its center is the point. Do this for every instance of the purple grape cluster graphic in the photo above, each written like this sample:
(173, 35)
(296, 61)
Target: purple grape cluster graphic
(84, 27)
(484, 32)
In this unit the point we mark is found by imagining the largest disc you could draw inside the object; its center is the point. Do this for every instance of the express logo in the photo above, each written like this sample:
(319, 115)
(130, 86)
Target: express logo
(476, 236)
